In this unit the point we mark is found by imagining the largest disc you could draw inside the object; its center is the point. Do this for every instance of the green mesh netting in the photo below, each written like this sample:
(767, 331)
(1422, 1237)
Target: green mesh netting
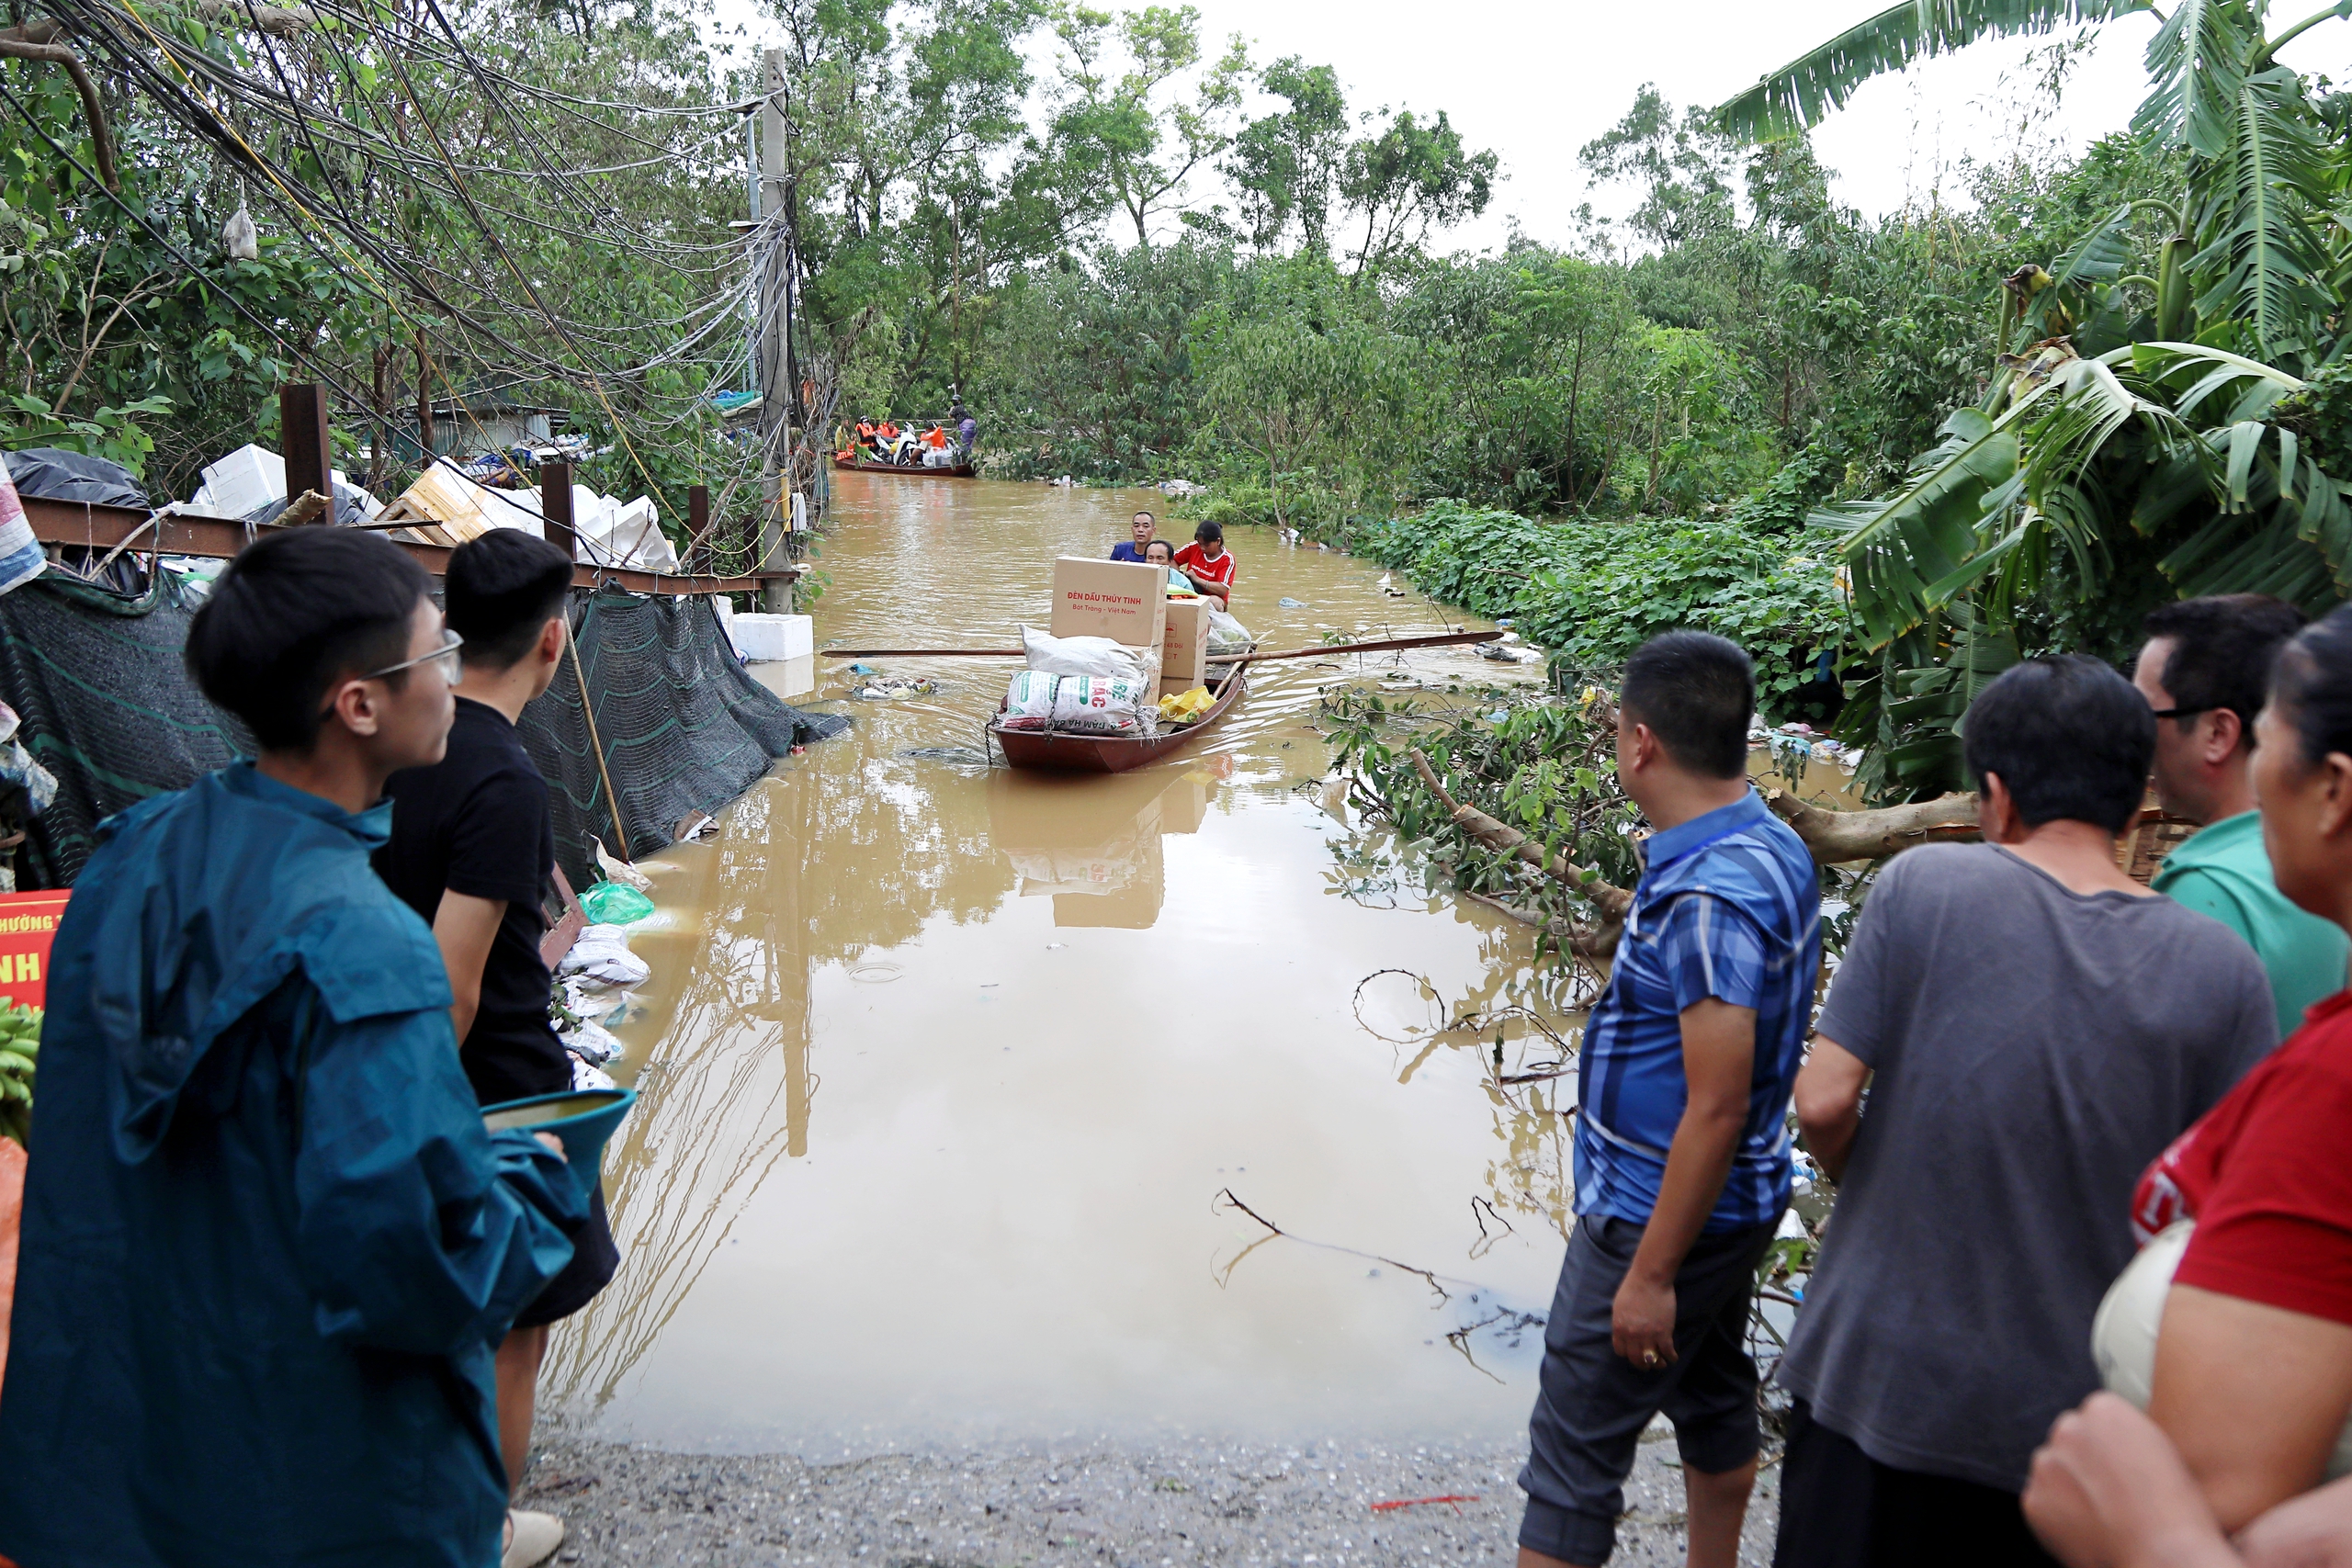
(97, 679)
(685, 728)
(108, 707)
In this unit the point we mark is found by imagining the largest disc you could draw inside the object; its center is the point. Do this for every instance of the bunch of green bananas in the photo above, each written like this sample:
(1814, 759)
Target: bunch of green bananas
(19, 1049)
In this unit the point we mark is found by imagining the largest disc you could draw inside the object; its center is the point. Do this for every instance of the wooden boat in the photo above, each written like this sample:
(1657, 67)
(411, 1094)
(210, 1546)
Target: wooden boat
(859, 463)
(1046, 752)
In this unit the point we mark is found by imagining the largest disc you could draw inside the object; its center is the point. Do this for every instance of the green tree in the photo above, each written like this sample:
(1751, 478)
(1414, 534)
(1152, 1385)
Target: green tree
(1285, 166)
(1407, 179)
(1133, 129)
(1328, 401)
(2132, 445)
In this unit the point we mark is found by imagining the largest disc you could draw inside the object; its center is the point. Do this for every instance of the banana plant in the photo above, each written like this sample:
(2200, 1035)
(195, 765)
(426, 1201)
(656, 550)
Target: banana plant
(2198, 449)
(2261, 232)
(2120, 454)
(2209, 468)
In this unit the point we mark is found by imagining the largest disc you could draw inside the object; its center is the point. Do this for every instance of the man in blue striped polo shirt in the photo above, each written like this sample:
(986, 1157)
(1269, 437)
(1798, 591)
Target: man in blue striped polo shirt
(1681, 1143)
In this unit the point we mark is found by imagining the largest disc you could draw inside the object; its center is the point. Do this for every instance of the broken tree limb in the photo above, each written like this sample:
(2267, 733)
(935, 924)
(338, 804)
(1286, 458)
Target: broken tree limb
(1596, 942)
(1612, 901)
(1834, 836)
(93, 108)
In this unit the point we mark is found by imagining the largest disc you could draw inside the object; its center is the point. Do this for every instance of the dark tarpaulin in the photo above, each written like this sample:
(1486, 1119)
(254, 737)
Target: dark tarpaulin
(350, 512)
(98, 678)
(684, 727)
(54, 474)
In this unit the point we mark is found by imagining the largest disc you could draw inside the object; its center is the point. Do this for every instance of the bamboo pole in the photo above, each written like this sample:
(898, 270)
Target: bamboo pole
(588, 712)
(1442, 639)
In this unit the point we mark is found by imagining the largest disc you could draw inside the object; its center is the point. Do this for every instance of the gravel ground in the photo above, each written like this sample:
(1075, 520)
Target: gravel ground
(1075, 1503)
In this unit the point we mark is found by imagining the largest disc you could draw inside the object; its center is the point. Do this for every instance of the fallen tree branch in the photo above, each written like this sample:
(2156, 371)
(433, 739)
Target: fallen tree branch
(101, 138)
(1834, 836)
(1596, 942)
(1612, 901)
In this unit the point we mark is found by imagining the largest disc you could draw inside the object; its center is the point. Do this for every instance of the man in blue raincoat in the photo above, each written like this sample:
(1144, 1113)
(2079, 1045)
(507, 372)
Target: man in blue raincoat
(268, 1246)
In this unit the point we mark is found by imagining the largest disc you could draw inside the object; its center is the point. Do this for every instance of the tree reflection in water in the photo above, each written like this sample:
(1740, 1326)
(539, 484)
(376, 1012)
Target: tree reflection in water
(847, 859)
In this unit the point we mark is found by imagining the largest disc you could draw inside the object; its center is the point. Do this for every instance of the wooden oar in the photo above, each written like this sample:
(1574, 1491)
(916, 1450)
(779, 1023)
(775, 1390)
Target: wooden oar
(925, 652)
(1442, 639)
(1445, 640)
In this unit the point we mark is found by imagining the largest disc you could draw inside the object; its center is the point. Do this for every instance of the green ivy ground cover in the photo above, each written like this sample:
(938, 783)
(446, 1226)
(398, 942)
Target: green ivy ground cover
(1592, 591)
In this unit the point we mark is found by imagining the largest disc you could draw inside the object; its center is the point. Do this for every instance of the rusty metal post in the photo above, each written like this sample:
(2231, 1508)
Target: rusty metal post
(309, 458)
(424, 402)
(698, 522)
(555, 508)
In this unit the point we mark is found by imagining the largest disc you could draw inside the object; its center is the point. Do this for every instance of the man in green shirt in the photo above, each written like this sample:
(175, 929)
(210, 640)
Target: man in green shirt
(2205, 669)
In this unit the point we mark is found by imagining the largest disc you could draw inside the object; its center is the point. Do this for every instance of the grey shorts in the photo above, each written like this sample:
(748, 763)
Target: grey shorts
(1589, 1416)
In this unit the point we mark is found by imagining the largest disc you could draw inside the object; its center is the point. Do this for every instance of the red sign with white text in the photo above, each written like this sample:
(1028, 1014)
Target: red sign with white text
(27, 926)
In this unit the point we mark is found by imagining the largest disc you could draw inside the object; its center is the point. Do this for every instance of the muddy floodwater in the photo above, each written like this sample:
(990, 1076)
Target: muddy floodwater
(954, 1079)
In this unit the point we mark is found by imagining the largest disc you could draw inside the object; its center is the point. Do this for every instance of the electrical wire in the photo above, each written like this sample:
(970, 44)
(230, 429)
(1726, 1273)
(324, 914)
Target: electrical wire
(314, 211)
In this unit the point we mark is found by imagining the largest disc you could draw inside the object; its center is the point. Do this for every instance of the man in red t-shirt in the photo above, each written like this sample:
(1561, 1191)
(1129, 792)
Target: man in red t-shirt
(1208, 563)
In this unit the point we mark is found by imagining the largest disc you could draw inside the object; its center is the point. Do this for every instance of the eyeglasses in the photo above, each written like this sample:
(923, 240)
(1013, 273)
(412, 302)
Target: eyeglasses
(445, 658)
(2180, 713)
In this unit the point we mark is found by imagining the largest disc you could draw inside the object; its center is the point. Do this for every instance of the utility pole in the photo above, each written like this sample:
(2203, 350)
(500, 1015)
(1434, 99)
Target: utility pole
(777, 392)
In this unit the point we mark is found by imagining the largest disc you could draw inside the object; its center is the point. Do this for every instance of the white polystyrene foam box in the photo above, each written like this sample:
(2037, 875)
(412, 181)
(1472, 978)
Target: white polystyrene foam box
(251, 474)
(764, 636)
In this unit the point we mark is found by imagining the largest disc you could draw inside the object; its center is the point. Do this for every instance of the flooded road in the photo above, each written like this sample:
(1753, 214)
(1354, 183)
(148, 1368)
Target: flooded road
(947, 1072)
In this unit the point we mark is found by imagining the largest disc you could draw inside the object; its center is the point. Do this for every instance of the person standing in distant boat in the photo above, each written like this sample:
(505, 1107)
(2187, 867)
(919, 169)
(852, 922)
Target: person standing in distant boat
(968, 431)
(1208, 563)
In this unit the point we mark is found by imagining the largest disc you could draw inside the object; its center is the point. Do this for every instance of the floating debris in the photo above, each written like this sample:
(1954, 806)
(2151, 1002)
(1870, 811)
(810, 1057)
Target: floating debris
(1290, 603)
(892, 688)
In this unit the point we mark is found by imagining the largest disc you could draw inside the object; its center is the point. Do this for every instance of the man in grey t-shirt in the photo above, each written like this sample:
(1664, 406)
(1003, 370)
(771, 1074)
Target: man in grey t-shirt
(2034, 1027)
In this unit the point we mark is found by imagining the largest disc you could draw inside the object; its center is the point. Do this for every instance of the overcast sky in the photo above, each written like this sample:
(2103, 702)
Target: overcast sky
(1536, 81)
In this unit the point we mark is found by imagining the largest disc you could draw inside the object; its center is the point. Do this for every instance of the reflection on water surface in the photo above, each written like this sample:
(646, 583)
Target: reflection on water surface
(945, 1073)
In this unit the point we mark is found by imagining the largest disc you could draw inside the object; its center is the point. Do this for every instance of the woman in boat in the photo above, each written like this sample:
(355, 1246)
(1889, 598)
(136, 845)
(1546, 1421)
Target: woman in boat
(1209, 563)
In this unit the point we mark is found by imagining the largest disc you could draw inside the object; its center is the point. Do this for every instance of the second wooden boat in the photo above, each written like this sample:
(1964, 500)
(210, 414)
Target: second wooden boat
(860, 463)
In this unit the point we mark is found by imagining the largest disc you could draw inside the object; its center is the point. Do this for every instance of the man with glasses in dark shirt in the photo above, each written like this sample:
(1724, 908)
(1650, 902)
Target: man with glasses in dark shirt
(473, 851)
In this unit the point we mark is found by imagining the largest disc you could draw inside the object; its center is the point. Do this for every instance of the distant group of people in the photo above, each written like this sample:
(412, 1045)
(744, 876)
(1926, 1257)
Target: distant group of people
(2028, 1068)
(944, 445)
(281, 1297)
(1205, 564)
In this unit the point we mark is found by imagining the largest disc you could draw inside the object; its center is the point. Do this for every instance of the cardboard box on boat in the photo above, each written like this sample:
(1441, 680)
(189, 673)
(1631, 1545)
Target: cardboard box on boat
(1120, 600)
(1184, 654)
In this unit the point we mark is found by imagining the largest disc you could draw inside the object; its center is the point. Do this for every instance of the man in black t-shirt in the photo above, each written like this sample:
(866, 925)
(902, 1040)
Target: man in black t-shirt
(473, 851)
